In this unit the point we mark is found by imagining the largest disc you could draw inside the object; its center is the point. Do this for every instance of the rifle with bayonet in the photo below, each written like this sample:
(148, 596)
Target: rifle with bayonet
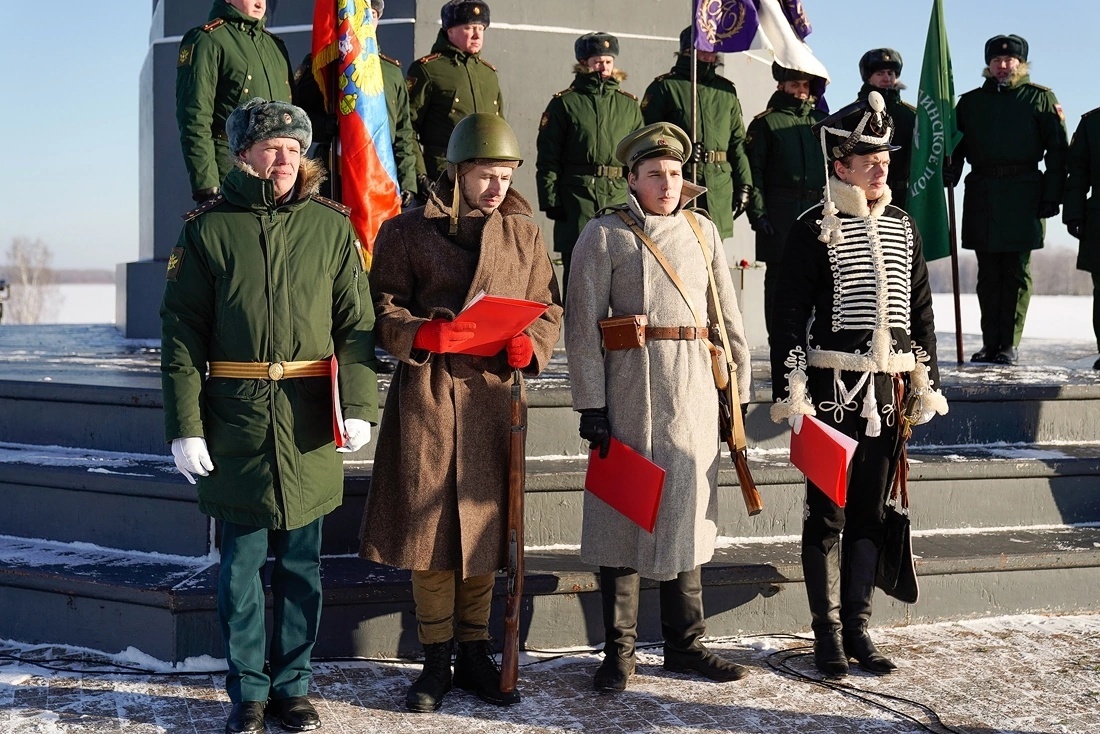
(517, 470)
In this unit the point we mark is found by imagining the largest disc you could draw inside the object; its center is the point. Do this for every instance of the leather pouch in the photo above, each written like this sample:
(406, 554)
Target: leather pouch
(623, 332)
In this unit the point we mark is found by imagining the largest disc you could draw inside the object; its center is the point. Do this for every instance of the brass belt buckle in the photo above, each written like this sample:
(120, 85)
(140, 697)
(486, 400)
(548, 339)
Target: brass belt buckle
(275, 371)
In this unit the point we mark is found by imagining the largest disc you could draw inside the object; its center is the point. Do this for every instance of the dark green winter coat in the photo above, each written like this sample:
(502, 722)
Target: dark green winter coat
(401, 130)
(905, 119)
(1006, 132)
(1082, 199)
(253, 281)
(228, 61)
(721, 130)
(445, 86)
(578, 132)
(788, 168)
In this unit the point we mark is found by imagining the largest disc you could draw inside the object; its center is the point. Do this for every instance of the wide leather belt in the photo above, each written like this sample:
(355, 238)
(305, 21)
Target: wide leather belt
(594, 170)
(678, 332)
(270, 370)
(714, 156)
(1006, 171)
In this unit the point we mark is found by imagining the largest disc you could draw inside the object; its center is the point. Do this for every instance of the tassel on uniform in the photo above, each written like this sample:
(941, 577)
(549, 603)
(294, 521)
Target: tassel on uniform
(830, 225)
(870, 411)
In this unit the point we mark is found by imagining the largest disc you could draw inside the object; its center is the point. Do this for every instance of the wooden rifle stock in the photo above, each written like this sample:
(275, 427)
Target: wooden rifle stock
(727, 403)
(517, 469)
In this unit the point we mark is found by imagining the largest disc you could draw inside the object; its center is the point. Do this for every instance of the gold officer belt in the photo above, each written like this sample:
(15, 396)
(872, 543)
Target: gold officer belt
(270, 370)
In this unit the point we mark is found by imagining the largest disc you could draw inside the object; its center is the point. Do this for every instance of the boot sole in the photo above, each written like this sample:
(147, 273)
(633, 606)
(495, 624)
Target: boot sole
(685, 670)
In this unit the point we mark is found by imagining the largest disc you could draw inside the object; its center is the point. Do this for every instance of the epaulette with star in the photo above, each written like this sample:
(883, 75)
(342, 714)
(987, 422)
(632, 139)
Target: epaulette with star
(662, 77)
(332, 204)
(428, 58)
(563, 92)
(627, 94)
(491, 67)
(206, 206)
(1039, 86)
(765, 112)
(214, 24)
(390, 59)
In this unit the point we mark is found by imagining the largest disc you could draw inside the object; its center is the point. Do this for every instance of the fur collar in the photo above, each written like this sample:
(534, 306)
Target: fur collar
(1014, 79)
(618, 75)
(311, 174)
(851, 201)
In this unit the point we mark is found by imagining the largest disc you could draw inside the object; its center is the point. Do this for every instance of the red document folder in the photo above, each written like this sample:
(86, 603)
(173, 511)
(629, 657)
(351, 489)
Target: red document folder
(498, 319)
(627, 481)
(824, 455)
(337, 411)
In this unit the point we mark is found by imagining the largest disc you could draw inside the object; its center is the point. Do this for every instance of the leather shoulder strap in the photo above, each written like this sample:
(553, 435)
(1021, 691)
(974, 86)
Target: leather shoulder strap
(656, 252)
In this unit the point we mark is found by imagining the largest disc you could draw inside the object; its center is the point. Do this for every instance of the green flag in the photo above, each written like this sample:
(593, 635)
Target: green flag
(934, 137)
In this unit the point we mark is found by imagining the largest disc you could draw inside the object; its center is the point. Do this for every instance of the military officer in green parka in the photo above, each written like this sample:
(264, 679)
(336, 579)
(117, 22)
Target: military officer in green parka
(576, 170)
(1008, 126)
(1082, 205)
(448, 84)
(264, 285)
(220, 65)
(880, 69)
(719, 154)
(788, 168)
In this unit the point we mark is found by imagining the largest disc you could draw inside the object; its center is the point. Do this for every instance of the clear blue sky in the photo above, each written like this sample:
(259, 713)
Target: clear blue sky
(70, 96)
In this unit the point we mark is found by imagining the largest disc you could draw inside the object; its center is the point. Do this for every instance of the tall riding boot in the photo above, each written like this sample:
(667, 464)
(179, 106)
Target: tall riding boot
(683, 626)
(426, 693)
(860, 564)
(822, 574)
(619, 588)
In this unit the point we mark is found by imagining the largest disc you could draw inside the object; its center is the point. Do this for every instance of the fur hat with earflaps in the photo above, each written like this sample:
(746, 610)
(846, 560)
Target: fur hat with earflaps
(257, 119)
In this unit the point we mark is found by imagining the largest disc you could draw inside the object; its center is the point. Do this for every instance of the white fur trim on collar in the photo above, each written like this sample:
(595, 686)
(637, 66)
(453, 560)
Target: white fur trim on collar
(851, 200)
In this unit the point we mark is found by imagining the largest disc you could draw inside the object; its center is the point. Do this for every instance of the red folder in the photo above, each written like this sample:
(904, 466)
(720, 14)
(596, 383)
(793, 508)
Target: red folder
(628, 481)
(337, 411)
(824, 455)
(498, 319)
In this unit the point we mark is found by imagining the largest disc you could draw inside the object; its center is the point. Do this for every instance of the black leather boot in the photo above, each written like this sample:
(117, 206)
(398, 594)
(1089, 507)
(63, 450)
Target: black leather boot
(476, 670)
(822, 573)
(619, 588)
(294, 714)
(860, 564)
(246, 716)
(427, 691)
(683, 626)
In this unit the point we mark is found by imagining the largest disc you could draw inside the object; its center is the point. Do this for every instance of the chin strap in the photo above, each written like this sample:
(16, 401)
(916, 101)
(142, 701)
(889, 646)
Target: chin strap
(453, 229)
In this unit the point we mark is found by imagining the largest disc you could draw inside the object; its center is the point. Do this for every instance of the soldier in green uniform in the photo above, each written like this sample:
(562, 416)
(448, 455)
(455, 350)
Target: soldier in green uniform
(451, 82)
(231, 59)
(718, 154)
(788, 169)
(1008, 126)
(576, 169)
(880, 69)
(1082, 211)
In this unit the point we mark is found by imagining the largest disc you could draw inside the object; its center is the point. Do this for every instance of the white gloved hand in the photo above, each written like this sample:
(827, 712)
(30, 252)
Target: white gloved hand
(926, 415)
(356, 435)
(192, 457)
(795, 422)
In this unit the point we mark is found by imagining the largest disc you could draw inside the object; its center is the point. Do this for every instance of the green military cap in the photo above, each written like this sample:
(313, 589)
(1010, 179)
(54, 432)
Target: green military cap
(652, 141)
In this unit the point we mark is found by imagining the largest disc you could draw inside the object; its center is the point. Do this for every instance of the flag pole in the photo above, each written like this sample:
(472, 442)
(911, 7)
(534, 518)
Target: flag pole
(694, 95)
(334, 144)
(951, 236)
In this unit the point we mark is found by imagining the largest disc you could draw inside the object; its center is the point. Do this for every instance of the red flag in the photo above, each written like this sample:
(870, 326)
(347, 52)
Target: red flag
(345, 44)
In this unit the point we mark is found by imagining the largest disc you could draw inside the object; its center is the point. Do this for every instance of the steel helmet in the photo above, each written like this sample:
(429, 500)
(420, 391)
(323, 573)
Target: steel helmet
(483, 135)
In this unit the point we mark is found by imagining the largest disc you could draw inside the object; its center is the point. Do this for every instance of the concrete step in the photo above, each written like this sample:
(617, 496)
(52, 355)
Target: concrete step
(140, 503)
(165, 606)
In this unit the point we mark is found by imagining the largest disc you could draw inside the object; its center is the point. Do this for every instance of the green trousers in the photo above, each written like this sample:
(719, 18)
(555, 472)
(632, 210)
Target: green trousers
(449, 607)
(1004, 292)
(296, 609)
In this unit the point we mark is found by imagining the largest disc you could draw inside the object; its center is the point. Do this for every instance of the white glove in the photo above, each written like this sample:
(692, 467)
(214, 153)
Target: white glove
(795, 422)
(356, 435)
(926, 415)
(192, 457)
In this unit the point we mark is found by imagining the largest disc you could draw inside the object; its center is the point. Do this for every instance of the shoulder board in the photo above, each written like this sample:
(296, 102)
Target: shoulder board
(1090, 112)
(390, 59)
(275, 37)
(428, 58)
(214, 24)
(627, 94)
(765, 112)
(486, 63)
(331, 204)
(723, 80)
(203, 207)
(564, 91)
(662, 77)
(911, 108)
(1038, 86)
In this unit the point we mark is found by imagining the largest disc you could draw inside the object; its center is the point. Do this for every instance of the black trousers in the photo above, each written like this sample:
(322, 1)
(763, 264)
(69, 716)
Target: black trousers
(1004, 292)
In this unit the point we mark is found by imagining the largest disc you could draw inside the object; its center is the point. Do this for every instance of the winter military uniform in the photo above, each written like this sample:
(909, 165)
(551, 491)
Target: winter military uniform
(854, 313)
(723, 168)
(261, 292)
(788, 173)
(654, 399)
(1007, 129)
(576, 169)
(231, 59)
(444, 87)
(903, 114)
(1082, 205)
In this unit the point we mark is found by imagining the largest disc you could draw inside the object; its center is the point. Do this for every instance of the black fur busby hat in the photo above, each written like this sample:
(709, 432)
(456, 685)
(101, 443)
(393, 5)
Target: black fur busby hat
(596, 43)
(1011, 45)
(783, 74)
(257, 119)
(878, 59)
(461, 12)
(860, 128)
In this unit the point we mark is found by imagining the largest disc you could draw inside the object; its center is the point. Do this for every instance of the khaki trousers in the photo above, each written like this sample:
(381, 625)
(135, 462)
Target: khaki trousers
(449, 607)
